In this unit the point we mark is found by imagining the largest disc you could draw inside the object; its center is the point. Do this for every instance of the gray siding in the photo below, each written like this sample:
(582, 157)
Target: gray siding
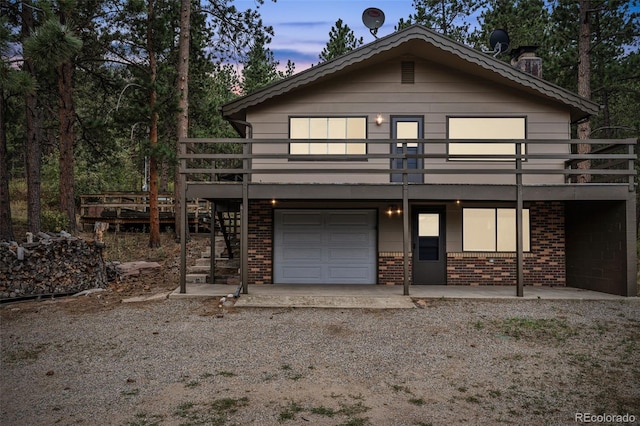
(437, 93)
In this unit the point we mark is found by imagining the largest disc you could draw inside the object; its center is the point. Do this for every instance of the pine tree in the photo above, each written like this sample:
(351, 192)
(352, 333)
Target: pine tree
(448, 17)
(13, 83)
(183, 108)
(341, 40)
(260, 67)
(526, 22)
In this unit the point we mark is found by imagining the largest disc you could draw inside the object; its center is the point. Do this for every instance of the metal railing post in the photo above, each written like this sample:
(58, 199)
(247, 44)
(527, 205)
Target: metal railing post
(183, 222)
(406, 237)
(244, 221)
(519, 225)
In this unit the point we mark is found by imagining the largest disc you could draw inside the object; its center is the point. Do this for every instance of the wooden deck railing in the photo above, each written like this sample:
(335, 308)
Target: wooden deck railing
(205, 160)
(132, 208)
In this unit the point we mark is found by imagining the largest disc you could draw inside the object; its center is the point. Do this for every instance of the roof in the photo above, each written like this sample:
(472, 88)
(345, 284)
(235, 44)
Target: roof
(422, 42)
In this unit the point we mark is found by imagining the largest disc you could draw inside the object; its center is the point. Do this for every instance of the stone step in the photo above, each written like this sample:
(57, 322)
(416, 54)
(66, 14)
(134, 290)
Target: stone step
(220, 262)
(227, 280)
(198, 269)
(223, 262)
(220, 270)
(197, 278)
(203, 262)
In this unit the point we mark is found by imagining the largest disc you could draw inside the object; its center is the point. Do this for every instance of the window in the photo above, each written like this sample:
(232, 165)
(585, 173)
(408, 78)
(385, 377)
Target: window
(493, 229)
(485, 128)
(327, 128)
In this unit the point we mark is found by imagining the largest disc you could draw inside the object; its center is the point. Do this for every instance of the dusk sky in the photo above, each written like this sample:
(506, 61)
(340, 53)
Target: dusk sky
(302, 26)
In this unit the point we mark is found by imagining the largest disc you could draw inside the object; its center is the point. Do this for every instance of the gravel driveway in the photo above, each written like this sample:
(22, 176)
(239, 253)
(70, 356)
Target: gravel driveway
(175, 362)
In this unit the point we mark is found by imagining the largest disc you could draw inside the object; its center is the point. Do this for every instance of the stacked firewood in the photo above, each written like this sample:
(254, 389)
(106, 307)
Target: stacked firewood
(49, 264)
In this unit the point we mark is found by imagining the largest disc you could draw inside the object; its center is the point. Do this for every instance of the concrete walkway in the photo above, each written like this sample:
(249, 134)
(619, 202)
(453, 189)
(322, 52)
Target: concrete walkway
(379, 296)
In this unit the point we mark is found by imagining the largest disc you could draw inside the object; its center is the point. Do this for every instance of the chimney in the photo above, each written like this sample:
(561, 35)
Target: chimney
(525, 59)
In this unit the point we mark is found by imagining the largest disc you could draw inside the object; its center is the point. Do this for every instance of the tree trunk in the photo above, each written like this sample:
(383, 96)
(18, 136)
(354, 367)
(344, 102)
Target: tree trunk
(183, 109)
(584, 82)
(66, 118)
(154, 215)
(33, 122)
(6, 231)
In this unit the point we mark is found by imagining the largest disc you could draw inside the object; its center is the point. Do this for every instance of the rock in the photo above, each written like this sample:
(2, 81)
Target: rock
(88, 292)
(137, 268)
(421, 303)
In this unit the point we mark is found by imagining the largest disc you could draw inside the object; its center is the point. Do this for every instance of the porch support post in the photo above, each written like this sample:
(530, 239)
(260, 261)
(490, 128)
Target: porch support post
(244, 221)
(212, 235)
(183, 227)
(406, 238)
(519, 230)
(632, 255)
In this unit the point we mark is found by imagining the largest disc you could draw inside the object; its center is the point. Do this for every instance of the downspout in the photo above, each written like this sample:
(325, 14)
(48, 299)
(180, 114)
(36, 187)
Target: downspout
(244, 215)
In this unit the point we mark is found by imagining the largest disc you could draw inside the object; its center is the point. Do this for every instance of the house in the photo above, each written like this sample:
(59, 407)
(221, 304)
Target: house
(416, 160)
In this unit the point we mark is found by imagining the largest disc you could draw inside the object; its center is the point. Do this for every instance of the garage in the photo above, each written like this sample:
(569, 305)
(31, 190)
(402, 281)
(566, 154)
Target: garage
(324, 246)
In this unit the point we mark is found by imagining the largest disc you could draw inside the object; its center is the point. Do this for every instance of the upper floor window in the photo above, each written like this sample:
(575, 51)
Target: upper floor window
(485, 128)
(327, 128)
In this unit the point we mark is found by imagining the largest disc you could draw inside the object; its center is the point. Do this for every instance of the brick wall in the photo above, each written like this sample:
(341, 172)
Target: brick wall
(543, 265)
(547, 266)
(391, 268)
(260, 248)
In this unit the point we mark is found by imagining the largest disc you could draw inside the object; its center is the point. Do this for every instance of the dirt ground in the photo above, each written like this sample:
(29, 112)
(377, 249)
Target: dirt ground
(97, 359)
(133, 247)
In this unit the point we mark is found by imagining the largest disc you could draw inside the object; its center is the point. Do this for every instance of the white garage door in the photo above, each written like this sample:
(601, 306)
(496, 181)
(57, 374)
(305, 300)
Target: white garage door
(324, 247)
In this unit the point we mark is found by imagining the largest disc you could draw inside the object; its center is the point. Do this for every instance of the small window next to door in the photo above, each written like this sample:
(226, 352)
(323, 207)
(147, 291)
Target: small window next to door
(428, 236)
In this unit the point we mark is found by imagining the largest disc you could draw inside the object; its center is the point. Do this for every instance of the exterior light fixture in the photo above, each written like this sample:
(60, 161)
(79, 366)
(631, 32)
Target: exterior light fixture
(273, 201)
(393, 209)
(379, 119)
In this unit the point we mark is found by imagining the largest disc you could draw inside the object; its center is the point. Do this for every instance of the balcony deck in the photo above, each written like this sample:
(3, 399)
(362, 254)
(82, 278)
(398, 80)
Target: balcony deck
(546, 172)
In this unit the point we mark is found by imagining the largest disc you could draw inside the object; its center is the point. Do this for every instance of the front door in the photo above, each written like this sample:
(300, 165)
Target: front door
(428, 242)
(403, 128)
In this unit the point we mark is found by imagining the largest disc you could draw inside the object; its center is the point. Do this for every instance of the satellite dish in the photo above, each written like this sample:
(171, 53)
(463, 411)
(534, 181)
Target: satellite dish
(499, 41)
(373, 18)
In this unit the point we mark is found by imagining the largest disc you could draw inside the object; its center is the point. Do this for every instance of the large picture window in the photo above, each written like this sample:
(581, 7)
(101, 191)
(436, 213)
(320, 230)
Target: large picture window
(327, 128)
(485, 128)
(493, 229)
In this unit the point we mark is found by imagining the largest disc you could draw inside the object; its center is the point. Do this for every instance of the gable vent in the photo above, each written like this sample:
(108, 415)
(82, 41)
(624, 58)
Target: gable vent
(407, 72)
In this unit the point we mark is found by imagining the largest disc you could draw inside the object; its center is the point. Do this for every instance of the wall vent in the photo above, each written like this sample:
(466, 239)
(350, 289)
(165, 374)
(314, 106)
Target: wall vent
(407, 72)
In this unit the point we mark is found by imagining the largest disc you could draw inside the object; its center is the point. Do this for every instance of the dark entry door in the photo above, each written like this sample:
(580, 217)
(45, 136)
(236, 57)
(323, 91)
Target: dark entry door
(428, 242)
(406, 128)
